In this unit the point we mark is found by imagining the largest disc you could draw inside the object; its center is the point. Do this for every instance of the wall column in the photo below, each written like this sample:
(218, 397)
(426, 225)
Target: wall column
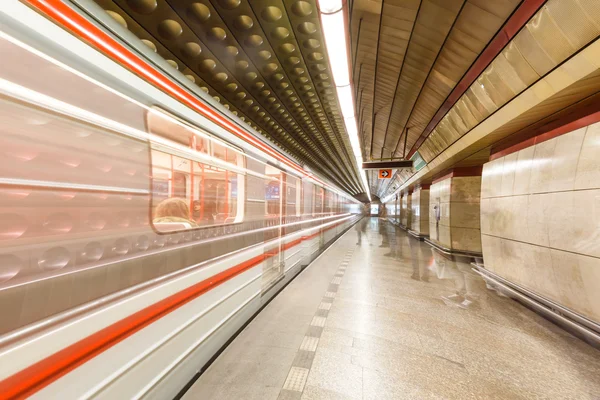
(454, 211)
(420, 211)
(405, 211)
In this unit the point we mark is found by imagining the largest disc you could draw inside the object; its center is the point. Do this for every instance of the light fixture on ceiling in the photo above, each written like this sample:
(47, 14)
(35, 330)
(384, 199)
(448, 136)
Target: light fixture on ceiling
(336, 34)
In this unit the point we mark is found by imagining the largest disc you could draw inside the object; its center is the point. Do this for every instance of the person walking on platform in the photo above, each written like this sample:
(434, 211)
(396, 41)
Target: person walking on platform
(393, 238)
(361, 229)
(383, 222)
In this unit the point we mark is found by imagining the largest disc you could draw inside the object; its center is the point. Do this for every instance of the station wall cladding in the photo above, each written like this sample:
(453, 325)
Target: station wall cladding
(540, 219)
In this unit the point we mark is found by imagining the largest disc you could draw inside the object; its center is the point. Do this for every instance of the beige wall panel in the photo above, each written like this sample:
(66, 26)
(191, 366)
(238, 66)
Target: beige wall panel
(523, 171)
(465, 215)
(574, 221)
(415, 214)
(588, 166)
(460, 220)
(406, 210)
(564, 161)
(508, 174)
(465, 189)
(466, 239)
(541, 173)
(546, 235)
(420, 211)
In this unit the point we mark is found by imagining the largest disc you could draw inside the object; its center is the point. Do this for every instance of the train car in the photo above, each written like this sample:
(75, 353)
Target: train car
(142, 224)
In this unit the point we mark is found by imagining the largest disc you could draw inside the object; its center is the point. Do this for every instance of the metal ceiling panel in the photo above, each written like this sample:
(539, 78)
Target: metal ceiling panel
(408, 57)
(542, 44)
(435, 20)
(265, 60)
(477, 23)
(396, 30)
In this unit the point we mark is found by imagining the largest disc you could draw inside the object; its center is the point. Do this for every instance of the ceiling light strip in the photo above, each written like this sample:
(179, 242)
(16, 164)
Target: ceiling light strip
(335, 31)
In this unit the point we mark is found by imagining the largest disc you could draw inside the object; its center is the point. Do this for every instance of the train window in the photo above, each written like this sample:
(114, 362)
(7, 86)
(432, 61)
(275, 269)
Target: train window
(293, 190)
(223, 153)
(318, 203)
(188, 194)
(273, 191)
(299, 197)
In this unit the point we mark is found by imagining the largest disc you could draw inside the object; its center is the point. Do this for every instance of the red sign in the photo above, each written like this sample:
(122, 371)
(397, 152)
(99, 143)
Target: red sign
(385, 173)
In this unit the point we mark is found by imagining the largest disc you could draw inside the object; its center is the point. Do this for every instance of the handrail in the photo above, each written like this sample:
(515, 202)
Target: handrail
(549, 304)
(451, 252)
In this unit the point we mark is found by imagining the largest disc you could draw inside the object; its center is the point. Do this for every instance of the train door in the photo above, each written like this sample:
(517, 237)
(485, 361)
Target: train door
(274, 210)
(320, 210)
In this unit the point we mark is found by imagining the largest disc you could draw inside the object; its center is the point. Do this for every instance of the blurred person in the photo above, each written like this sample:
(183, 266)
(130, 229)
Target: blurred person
(383, 231)
(465, 281)
(173, 210)
(210, 210)
(361, 229)
(196, 211)
(420, 270)
(394, 237)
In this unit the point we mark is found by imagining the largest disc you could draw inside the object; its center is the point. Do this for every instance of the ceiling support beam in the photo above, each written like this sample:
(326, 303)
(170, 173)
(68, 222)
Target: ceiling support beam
(387, 164)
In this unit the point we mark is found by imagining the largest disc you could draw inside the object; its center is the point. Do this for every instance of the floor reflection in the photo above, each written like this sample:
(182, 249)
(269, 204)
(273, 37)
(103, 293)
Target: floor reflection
(467, 283)
(466, 287)
(418, 325)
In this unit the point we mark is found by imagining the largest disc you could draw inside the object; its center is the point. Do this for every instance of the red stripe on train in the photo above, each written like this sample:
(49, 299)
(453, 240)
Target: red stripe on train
(41, 374)
(46, 371)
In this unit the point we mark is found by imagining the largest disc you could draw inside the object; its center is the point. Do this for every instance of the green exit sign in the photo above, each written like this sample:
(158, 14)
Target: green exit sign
(418, 162)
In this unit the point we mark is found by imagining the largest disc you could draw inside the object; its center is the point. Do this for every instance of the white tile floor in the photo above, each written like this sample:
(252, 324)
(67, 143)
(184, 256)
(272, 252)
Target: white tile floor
(392, 329)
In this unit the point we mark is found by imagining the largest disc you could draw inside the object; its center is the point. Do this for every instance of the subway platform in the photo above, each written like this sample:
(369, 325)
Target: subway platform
(387, 322)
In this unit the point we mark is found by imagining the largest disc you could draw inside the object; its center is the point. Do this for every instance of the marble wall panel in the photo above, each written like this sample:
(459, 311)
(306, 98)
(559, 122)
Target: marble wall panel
(439, 196)
(570, 269)
(541, 170)
(465, 215)
(465, 189)
(424, 207)
(487, 212)
(420, 211)
(588, 166)
(523, 171)
(544, 233)
(459, 224)
(507, 180)
(564, 160)
(415, 216)
(574, 221)
(466, 239)
(406, 210)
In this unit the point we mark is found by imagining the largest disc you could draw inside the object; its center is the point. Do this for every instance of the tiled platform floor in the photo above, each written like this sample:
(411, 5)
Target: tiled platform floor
(361, 323)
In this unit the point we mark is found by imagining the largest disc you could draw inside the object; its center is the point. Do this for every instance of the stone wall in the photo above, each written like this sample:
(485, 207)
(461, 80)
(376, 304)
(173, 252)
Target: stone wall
(420, 211)
(540, 219)
(459, 226)
(405, 211)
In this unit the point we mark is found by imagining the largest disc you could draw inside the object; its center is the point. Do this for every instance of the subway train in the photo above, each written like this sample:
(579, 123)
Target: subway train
(141, 223)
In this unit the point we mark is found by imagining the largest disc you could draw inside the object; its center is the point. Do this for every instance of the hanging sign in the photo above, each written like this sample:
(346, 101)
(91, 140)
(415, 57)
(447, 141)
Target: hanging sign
(385, 173)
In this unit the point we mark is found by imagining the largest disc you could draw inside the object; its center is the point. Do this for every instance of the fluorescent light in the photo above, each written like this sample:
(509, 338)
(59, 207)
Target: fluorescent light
(346, 100)
(334, 31)
(330, 6)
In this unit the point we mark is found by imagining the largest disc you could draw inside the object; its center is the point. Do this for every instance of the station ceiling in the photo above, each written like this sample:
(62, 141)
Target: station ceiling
(408, 55)
(266, 61)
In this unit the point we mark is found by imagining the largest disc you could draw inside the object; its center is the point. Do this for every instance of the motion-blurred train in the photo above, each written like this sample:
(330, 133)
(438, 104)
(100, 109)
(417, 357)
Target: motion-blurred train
(140, 227)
